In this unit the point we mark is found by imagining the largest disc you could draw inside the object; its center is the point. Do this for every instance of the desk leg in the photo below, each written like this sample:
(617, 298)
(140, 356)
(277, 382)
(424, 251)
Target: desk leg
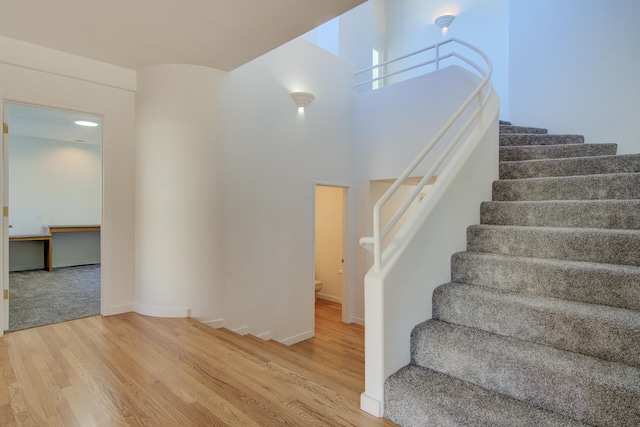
(48, 254)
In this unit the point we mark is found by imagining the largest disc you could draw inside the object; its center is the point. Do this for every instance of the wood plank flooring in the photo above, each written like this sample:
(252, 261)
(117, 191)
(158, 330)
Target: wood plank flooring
(132, 370)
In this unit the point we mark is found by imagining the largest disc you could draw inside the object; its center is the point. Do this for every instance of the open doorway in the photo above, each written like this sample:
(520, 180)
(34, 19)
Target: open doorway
(53, 200)
(330, 245)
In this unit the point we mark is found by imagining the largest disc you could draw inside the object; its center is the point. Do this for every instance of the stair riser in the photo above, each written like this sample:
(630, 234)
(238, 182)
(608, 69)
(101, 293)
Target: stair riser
(516, 153)
(418, 397)
(537, 139)
(621, 214)
(608, 333)
(594, 187)
(584, 388)
(570, 167)
(605, 284)
(592, 245)
(509, 129)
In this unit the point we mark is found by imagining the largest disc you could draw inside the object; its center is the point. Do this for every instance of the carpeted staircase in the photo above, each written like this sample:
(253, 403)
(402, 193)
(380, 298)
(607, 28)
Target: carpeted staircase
(540, 324)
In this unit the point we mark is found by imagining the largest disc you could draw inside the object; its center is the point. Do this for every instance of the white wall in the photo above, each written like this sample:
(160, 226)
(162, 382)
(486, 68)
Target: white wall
(392, 125)
(54, 182)
(574, 68)
(179, 210)
(360, 29)
(269, 192)
(40, 76)
(225, 171)
(485, 24)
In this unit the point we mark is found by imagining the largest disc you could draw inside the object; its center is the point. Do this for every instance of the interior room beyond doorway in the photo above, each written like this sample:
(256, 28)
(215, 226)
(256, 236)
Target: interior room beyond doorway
(53, 193)
(329, 241)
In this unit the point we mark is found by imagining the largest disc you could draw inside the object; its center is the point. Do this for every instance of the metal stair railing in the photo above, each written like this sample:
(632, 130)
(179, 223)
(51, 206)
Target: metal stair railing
(380, 232)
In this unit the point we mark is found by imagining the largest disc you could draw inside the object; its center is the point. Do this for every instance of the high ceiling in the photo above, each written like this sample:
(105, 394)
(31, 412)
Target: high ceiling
(222, 34)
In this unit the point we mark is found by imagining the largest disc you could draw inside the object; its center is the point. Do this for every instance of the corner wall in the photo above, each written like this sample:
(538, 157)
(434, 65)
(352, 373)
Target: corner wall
(178, 180)
(225, 169)
(278, 155)
(41, 76)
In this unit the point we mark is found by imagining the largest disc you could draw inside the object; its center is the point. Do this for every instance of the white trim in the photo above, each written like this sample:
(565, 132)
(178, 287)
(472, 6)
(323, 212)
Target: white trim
(372, 406)
(147, 310)
(105, 223)
(29, 56)
(329, 298)
(346, 245)
(265, 336)
(297, 338)
(242, 330)
(118, 309)
(357, 320)
(215, 324)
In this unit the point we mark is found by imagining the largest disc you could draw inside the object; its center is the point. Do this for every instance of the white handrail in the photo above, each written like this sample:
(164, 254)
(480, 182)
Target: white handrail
(380, 233)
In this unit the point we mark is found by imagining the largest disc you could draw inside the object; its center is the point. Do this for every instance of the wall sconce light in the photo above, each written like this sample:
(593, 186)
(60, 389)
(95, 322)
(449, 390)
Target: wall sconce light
(443, 21)
(302, 99)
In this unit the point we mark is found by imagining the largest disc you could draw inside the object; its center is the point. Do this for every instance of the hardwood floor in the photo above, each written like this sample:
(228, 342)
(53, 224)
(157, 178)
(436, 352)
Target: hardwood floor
(135, 370)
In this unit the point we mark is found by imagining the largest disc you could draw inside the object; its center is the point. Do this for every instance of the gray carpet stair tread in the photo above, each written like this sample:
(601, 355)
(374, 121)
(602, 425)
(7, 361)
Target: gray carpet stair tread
(575, 244)
(531, 152)
(609, 333)
(582, 387)
(629, 163)
(621, 186)
(538, 139)
(622, 214)
(418, 397)
(541, 318)
(597, 283)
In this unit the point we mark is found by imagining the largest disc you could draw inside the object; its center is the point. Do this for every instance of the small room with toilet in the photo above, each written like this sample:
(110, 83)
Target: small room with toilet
(329, 244)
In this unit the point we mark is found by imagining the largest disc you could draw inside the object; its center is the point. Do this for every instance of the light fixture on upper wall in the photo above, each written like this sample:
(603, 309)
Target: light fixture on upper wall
(443, 21)
(302, 99)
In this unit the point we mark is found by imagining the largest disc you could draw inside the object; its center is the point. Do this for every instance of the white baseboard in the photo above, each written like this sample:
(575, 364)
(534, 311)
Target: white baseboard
(297, 338)
(370, 405)
(119, 309)
(76, 263)
(26, 267)
(320, 295)
(265, 336)
(215, 324)
(243, 330)
(148, 310)
(356, 320)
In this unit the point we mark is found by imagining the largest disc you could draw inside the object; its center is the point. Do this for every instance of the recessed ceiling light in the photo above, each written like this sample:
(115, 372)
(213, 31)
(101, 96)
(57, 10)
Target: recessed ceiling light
(86, 123)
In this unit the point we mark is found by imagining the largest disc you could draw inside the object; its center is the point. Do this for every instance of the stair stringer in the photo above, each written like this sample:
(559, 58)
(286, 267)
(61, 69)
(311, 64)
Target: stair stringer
(417, 260)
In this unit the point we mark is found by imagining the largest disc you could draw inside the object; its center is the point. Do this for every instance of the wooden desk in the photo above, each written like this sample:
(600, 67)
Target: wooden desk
(71, 228)
(45, 238)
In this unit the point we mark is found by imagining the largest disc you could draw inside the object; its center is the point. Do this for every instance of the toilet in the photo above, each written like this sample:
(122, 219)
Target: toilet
(318, 287)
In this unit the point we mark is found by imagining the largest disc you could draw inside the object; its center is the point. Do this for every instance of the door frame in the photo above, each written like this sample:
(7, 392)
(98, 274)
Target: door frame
(346, 246)
(4, 231)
